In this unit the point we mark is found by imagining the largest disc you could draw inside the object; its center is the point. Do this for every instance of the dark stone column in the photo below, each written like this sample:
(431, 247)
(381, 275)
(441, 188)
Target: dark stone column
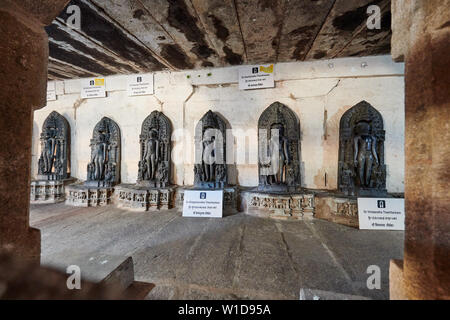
(424, 273)
(23, 79)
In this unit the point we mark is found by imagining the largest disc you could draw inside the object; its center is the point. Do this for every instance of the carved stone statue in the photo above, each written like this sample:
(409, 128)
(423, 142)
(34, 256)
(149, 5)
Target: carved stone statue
(53, 164)
(208, 158)
(151, 155)
(155, 140)
(100, 151)
(48, 152)
(279, 155)
(279, 135)
(55, 139)
(361, 152)
(365, 152)
(152, 190)
(103, 170)
(210, 169)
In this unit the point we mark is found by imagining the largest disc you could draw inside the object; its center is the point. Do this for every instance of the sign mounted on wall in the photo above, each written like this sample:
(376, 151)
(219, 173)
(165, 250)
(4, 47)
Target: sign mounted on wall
(203, 203)
(140, 85)
(381, 214)
(256, 77)
(51, 91)
(93, 88)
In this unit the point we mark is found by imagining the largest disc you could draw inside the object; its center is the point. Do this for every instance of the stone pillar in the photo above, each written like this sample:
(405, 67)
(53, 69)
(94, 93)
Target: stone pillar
(23, 80)
(421, 36)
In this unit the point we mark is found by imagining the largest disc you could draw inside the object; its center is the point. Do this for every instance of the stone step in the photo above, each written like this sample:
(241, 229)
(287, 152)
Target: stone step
(115, 271)
(96, 268)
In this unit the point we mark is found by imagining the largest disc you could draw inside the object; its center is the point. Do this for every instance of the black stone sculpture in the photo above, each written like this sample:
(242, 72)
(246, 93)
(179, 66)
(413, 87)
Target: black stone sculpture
(53, 163)
(279, 149)
(361, 152)
(104, 168)
(210, 168)
(155, 140)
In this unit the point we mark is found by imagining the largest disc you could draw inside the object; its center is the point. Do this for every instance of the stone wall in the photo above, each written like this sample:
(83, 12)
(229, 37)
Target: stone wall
(318, 92)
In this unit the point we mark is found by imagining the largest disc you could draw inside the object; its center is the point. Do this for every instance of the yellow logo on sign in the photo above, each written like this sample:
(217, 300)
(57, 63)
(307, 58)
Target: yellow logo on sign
(99, 82)
(266, 69)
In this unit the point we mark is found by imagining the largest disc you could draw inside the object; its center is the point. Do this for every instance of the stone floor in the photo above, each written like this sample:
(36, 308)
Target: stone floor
(237, 257)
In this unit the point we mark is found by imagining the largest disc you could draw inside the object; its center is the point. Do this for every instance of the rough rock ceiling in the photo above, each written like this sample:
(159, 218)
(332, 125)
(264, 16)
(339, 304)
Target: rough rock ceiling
(133, 36)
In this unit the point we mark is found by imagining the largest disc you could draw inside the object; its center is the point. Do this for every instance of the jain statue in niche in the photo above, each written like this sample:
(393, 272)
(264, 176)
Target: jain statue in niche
(53, 164)
(104, 168)
(279, 192)
(100, 154)
(210, 169)
(152, 190)
(48, 152)
(208, 159)
(365, 153)
(279, 154)
(155, 140)
(362, 171)
(151, 155)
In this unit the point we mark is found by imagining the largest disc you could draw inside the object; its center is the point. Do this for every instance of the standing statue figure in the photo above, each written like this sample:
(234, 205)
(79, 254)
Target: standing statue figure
(209, 157)
(155, 147)
(53, 172)
(210, 152)
(48, 153)
(279, 149)
(365, 152)
(361, 168)
(151, 154)
(279, 155)
(100, 156)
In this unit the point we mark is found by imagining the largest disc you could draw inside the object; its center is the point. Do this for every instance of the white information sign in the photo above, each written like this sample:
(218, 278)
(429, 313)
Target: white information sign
(93, 88)
(256, 77)
(140, 85)
(203, 203)
(381, 214)
(51, 91)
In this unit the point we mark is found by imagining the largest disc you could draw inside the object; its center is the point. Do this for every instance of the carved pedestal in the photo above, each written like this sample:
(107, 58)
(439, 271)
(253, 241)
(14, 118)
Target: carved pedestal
(80, 195)
(279, 206)
(337, 209)
(230, 195)
(48, 191)
(140, 198)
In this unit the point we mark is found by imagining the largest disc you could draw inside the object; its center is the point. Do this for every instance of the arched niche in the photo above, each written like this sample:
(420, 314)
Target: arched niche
(155, 145)
(54, 161)
(361, 168)
(210, 169)
(104, 167)
(279, 171)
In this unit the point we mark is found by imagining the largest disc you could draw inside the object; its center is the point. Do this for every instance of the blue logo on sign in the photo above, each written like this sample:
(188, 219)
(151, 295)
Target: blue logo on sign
(202, 195)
